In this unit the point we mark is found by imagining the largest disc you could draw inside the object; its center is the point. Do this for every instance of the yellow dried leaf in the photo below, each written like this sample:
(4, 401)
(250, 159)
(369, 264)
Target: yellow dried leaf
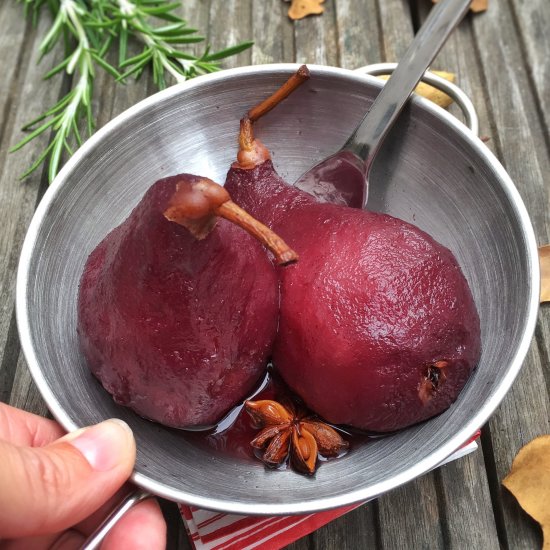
(302, 8)
(476, 6)
(529, 482)
(479, 5)
(431, 93)
(544, 258)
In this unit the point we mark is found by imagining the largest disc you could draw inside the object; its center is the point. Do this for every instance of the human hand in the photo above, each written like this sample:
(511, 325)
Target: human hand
(56, 488)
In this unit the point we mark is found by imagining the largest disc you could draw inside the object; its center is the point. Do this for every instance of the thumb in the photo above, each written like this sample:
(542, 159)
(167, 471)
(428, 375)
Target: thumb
(48, 489)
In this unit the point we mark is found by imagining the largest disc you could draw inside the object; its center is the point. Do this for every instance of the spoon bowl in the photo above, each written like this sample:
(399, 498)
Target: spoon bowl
(348, 169)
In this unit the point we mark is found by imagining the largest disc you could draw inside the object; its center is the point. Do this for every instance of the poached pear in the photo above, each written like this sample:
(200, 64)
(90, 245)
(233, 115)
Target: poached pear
(177, 313)
(378, 328)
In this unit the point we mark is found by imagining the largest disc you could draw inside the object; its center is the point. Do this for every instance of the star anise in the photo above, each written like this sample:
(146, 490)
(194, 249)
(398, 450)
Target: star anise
(290, 431)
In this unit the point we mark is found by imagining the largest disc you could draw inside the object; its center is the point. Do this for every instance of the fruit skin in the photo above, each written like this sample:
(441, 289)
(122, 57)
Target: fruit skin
(175, 328)
(372, 303)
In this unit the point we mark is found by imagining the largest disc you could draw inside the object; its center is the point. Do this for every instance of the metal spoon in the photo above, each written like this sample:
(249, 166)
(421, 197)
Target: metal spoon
(352, 163)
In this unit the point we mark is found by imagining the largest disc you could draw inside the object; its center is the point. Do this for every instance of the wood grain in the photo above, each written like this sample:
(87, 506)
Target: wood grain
(396, 25)
(532, 20)
(231, 23)
(359, 34)
(25, 98)
(465, 498)
(272, 32)
(315, 38)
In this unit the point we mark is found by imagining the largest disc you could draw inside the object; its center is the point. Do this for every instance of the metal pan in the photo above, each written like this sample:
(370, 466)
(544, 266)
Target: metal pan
(432, 171)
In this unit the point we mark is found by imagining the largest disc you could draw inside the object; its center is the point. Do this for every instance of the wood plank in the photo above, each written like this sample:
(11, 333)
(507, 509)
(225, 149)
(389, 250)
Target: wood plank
(542, 336)
(197, 15)
(359, 34)
(231, 23)
(463, 487)
(407, 516)
(522, 416)
(25, 394)
(396, 23)
(325, 40)
(272, 32)
(15, 33)
(9, 355)
(533, 21)
(503, 116)
(519, 132)
(468, 519)
(12, 40)
(315, 38)
(357, 529)
(109, 99)
(524, 413)
(26, 101)
(459, 56)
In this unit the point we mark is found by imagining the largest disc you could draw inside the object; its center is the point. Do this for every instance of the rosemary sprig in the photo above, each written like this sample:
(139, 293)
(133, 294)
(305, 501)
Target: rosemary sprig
(90, 31)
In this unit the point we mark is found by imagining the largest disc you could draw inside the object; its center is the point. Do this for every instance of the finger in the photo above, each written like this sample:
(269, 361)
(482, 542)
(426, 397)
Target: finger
(67, 540)
(51, 488)
(141, 528)
(89, 524)
(27, 429)
(79, 532)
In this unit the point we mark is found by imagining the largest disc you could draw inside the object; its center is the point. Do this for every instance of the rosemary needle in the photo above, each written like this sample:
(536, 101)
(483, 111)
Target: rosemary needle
(90, 31)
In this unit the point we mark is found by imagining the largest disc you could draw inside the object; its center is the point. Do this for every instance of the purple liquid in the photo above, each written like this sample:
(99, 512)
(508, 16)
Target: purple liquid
(232, 436)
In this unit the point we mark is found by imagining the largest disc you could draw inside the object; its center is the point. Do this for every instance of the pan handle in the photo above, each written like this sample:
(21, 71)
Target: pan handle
(130, 500)
(452, 90)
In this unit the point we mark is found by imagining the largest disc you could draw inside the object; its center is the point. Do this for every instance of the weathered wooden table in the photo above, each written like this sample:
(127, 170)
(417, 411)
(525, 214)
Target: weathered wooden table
(502, 59)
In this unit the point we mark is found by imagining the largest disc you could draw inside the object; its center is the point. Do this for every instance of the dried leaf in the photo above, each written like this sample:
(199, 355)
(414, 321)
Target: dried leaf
(544, 257)
(431, 93)
(302, 8)
(529, 482)
(479, 5)
(476, 6)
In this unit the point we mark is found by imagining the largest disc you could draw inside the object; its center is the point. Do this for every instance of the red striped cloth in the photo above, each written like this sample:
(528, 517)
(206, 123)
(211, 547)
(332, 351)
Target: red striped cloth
(217, 531)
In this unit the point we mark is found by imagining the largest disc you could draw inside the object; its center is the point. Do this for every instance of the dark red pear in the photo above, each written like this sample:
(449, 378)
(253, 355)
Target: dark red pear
(177, 312)
(378, 328)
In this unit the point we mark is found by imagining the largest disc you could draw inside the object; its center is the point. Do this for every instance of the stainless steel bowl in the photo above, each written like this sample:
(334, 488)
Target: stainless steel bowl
(432, 171)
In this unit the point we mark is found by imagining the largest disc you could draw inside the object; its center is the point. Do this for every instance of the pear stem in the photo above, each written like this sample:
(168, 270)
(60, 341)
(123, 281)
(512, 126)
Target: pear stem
(251, 151)
(196, 203)
(296, 80)
(284, 255)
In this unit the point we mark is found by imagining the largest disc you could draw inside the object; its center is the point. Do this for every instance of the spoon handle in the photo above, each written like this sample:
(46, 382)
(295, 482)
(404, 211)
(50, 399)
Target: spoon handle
(371, 131)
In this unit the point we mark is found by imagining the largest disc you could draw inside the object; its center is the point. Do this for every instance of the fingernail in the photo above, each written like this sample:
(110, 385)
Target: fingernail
(103, 445)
